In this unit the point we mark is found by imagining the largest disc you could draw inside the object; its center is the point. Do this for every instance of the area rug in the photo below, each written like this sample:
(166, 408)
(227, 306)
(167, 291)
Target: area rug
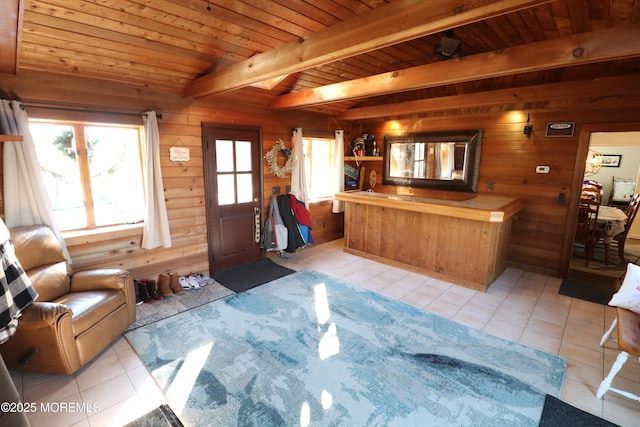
(309, 349)
(557, 413)
(248, 276)
(162, 416)
(589, 286)
(597, 266)
(170, 306)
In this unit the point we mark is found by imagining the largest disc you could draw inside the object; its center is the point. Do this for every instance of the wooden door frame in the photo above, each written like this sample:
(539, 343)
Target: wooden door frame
(578, 176)
(208, 176)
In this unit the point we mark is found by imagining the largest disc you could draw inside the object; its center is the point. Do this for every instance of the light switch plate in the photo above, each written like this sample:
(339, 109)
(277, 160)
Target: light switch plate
(542, 169)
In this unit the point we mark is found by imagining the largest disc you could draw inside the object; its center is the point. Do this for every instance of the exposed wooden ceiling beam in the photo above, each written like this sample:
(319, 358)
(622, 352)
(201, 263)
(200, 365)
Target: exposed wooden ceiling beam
(593, 88)
(383, 26)
(598, 46)
(11, 13)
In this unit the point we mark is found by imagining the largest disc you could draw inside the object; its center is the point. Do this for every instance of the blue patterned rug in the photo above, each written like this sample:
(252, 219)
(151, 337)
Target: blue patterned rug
(308, 349)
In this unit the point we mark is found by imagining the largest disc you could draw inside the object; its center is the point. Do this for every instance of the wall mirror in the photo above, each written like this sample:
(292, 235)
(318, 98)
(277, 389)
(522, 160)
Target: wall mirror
(439, 160)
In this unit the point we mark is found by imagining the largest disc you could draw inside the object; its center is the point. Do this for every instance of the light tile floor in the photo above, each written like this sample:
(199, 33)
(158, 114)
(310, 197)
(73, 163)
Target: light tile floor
(520, 306)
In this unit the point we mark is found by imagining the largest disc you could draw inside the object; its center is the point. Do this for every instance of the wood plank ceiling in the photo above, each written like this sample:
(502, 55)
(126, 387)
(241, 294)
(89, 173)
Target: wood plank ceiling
(348, 58)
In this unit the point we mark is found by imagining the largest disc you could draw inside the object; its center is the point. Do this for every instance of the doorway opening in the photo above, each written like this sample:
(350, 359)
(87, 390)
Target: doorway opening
(620, 151)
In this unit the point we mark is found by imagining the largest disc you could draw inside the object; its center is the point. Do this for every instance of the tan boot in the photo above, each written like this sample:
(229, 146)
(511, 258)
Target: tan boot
(174, 284)
(163, 285)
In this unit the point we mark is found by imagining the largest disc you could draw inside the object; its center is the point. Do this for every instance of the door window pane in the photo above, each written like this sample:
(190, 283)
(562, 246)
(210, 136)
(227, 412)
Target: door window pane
(224, 155)
(243, 156)
(226, 189)
(56, 150)
(245, 188)
(114, 169)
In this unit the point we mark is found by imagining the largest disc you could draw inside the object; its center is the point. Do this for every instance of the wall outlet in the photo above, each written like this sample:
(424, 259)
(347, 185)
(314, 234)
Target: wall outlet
(542, 169)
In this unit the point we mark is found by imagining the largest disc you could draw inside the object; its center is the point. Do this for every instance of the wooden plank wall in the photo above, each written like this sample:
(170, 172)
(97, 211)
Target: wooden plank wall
(508, 161)
(183, 182)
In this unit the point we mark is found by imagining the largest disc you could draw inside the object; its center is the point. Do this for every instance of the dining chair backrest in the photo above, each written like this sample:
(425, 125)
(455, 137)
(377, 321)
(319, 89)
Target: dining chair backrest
(621, 238)
(632, 210)
(587, 227)
(587, 220)
(622, 189)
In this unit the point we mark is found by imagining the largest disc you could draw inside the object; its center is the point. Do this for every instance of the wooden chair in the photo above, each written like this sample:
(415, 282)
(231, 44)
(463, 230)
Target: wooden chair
(622, 191)
(628, 324)
(620, 239)
(587, 227)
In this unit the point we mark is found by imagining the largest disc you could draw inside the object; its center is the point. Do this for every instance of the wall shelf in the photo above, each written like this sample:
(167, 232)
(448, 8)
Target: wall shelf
(14, 138)
(364, 159)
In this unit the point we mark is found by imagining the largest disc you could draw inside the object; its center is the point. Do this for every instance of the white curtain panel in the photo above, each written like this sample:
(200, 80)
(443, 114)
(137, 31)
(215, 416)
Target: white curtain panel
(337, 178)
(156, 230)
(298, 173)
(26, 201)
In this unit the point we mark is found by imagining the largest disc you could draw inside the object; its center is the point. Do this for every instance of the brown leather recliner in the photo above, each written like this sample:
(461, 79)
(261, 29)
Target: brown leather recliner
(75, 315)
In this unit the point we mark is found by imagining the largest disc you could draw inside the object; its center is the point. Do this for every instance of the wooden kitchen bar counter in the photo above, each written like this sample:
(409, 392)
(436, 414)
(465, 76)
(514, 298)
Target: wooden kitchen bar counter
(463, 238)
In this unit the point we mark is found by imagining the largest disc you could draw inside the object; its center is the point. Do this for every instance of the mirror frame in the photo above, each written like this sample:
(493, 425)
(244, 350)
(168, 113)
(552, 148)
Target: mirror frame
(469, 181)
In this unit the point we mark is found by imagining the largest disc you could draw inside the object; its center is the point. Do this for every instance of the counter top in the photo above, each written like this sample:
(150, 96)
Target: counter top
(475, 207)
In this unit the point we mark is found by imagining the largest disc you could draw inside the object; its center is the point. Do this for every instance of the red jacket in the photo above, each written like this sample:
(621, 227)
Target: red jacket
(300, 211)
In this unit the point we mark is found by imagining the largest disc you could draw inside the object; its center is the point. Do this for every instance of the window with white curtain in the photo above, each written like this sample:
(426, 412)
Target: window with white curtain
(319, 159)
(93, 172)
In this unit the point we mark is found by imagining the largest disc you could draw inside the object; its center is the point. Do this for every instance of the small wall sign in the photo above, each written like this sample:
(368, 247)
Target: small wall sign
(179, 154)
(560, 129)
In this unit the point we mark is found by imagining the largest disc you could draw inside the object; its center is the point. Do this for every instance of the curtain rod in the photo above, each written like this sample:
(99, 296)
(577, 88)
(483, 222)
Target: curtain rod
(77, 110)
(320, 131)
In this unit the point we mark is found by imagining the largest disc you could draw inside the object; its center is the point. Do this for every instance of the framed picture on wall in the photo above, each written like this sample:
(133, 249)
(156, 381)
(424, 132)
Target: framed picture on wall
(611, 160)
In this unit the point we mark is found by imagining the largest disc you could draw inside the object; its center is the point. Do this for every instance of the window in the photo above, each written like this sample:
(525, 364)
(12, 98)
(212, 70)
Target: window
(319, 159)
(93, 172)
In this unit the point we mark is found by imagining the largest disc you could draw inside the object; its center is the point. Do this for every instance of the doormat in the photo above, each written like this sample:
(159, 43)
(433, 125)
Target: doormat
(589, 287)
(162, 416)
(248, 276)
(557, 413)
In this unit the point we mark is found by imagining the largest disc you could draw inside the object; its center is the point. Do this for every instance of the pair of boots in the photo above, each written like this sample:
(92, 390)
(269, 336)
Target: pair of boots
(146, 291)
(169, 285)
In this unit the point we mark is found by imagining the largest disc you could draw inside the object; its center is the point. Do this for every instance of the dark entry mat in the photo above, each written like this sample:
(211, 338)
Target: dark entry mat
(162, 416)
(590, 287)
(248, 276)
(557, 413)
